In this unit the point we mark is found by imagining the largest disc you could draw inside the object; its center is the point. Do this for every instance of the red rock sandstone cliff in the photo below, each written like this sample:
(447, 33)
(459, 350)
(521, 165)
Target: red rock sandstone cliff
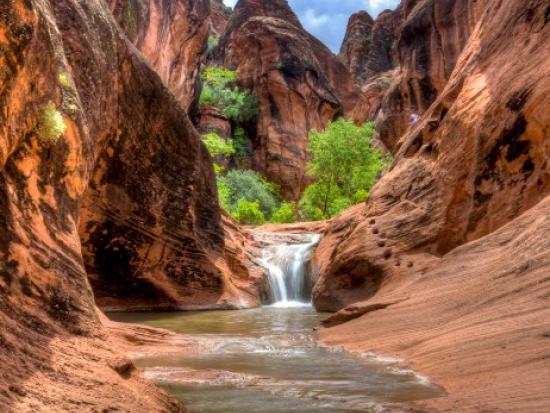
(172, 35)
(367, 49)
(300, 85)
(128, 183)
(219, 16)
(475, 161)
(446, 264)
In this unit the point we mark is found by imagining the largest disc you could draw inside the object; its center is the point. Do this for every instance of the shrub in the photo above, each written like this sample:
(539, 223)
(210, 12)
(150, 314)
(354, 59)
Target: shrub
(64, 80)
(250, 186)
(345, 165)
(50, 124)
(284, 214)
(218, 77)
(240, 106)
(240, 143)
(217, 146)
(213, 42)
(248, 212)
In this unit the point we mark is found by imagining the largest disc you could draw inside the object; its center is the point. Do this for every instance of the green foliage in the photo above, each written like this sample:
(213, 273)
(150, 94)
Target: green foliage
(284, 214)
(50, 124)
(345, 165)
(238, 105)
(251, 186)
(224, 195)
(248, 212)
(240, 143)
(218, 77)
(64, 80)
(218, 148)
(213, 42)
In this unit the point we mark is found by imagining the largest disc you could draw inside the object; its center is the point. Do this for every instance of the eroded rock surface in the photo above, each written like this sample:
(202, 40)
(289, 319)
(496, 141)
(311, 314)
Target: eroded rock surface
(475, 321)
(101, 173)
(219, 16)
(368, 46)
(477, 159)
(299, 83)
(61, 62)
(172, 35)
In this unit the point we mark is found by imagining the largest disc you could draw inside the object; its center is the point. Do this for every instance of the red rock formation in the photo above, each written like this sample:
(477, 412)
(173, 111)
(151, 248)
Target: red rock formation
(300, 85)
(219, 16)
(476, 321)
(367, 47)
(52, 346)
(172, 35)
(476, 160)
(447, 263)
(96, 156)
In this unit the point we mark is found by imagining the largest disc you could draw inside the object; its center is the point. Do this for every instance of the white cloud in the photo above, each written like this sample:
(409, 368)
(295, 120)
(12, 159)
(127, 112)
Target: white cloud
(327, 19)
(312, 21)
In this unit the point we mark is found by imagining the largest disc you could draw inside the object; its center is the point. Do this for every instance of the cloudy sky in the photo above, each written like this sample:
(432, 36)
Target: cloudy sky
(327, 19)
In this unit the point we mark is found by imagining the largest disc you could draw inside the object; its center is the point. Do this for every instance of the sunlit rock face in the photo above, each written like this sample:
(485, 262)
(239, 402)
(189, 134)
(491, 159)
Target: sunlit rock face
(172, 36)
(96, 156)
(475, 159)
(299, 83)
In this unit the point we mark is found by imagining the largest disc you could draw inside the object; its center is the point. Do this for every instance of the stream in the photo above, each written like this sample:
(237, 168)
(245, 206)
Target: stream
(267, 360)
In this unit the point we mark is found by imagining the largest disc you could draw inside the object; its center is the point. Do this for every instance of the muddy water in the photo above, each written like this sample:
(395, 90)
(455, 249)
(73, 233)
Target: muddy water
(267, 361)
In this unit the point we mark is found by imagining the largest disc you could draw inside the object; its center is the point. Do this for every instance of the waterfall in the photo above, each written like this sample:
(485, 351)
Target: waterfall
(286, 263)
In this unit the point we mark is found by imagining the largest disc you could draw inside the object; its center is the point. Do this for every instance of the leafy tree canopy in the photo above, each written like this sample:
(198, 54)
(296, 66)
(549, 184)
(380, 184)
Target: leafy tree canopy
(345, 165)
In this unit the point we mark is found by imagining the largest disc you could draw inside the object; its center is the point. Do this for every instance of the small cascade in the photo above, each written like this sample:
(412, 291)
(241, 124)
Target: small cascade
(285, 259)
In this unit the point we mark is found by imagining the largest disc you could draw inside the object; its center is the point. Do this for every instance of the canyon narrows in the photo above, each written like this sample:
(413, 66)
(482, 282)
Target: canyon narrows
(155, 155)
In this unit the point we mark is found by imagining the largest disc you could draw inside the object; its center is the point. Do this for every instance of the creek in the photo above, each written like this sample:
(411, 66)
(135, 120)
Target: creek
(267, 360)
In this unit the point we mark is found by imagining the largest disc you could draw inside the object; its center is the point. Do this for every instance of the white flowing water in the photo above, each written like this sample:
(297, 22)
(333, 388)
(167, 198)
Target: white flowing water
(286, 264)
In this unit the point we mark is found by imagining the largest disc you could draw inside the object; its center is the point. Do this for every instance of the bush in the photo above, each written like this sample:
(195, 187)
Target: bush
(248, 212)
(213, 42)
(250, 186)
(284, 214)
(240, 143)
(345, 165)
(50, 124)
(218, 148)
(64, 80)
(240, 106)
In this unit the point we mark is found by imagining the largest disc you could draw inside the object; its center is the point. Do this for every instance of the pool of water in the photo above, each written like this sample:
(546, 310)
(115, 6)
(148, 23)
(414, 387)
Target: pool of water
(267, 361)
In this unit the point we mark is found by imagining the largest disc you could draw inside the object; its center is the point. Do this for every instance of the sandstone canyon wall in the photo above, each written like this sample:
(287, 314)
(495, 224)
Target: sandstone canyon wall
(446, 264)
(172, 35)
(102, 174)
(299, 83)
(404, 58)
(477, 159)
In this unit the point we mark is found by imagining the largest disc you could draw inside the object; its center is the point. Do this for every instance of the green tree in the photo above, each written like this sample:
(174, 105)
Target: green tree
(284, 214)
(248, 212)
(251, 186)
(345, 165)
